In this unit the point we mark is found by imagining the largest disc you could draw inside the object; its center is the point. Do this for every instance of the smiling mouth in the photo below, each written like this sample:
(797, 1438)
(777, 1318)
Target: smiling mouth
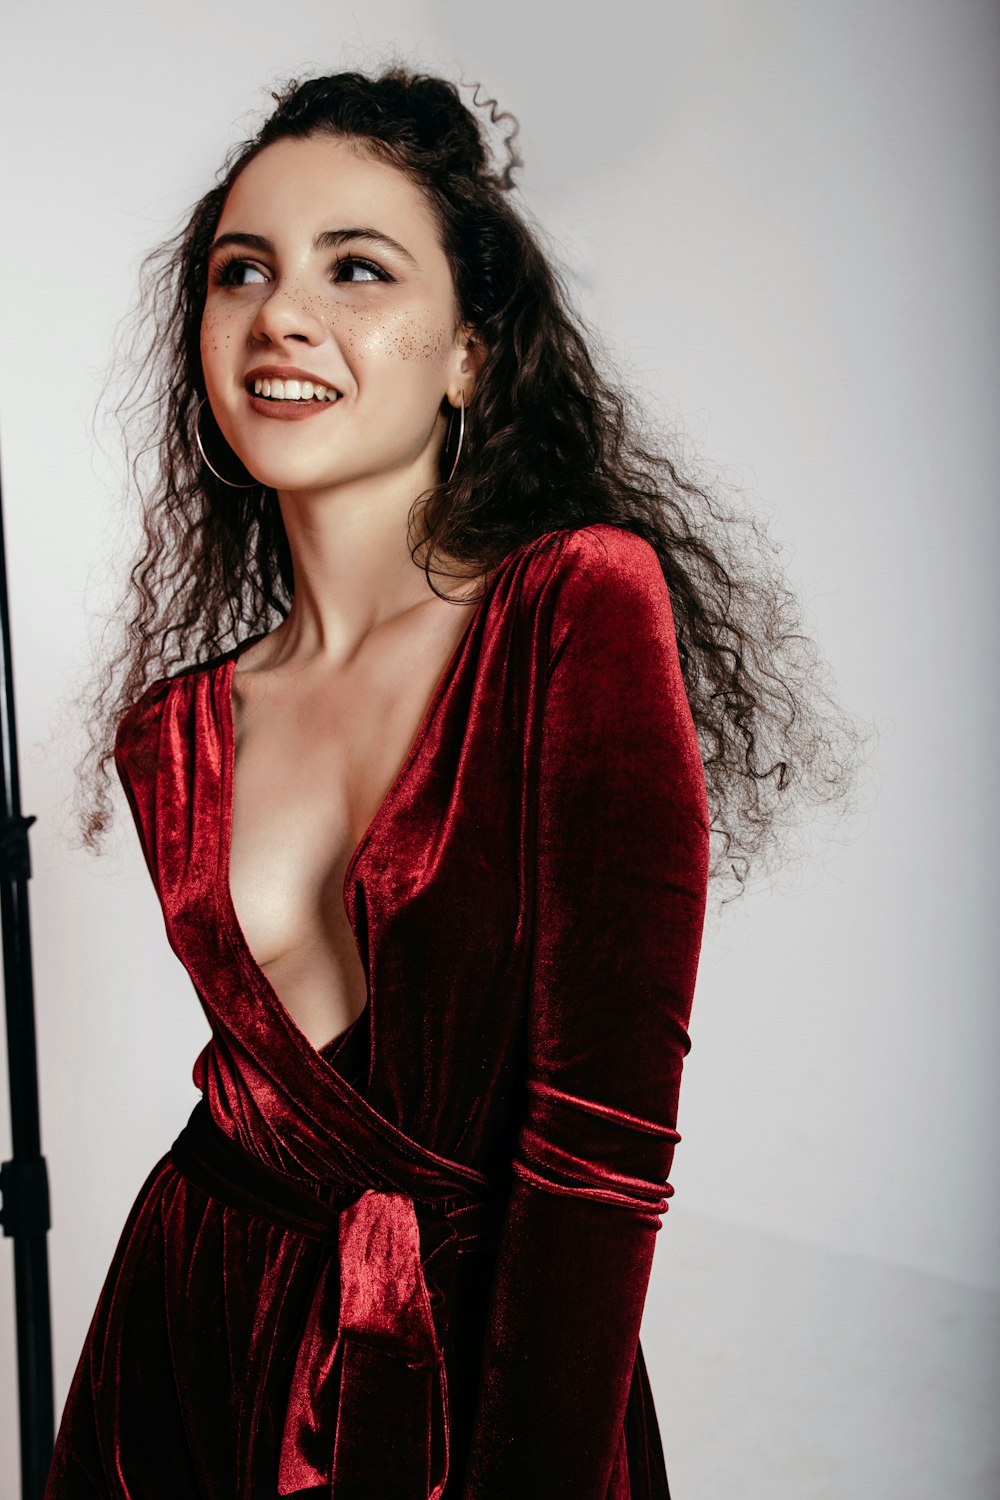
(293, 408)
(292, 391)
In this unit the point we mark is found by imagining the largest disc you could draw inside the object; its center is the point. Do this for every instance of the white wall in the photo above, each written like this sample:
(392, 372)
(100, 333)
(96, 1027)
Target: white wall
(783, 219)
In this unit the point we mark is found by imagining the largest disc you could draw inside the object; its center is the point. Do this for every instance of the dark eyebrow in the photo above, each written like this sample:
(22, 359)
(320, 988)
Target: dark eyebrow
(327, 239)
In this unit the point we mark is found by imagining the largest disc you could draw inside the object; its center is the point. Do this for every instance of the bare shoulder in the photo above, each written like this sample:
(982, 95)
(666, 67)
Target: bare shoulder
(258, 655)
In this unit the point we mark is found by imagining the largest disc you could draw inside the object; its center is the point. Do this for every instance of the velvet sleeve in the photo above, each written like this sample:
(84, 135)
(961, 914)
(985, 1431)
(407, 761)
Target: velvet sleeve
(136, 751)
(621, 864)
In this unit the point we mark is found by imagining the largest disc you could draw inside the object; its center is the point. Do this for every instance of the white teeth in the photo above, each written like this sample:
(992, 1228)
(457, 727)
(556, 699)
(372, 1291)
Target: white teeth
(295, 390)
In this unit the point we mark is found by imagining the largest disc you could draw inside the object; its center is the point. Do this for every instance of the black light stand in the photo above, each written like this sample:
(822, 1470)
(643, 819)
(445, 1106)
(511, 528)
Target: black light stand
(23, 1180)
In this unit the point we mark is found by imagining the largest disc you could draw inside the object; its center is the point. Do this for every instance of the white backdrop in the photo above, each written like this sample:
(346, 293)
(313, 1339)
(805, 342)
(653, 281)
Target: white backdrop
(783, 220)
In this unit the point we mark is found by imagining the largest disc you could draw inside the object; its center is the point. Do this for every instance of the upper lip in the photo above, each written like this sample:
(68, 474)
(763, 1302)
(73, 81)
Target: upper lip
(287, 372)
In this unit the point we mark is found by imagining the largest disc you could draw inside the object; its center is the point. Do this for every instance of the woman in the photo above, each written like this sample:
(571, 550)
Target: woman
(403, 1244)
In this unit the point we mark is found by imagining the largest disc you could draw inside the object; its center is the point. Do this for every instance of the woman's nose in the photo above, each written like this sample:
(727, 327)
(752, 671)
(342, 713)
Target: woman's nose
(285, 313)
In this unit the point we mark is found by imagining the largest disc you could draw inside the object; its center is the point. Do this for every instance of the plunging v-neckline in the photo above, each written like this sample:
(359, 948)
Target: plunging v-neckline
(227, 668)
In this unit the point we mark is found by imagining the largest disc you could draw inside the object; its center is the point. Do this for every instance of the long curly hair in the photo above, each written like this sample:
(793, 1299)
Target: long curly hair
(551, 441)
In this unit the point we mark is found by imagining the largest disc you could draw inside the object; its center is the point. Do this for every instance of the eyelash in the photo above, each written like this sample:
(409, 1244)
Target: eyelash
(221, 276)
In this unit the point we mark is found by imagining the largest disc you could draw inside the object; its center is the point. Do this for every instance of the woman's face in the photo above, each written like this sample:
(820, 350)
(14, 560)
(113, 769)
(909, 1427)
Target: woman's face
(303, 274)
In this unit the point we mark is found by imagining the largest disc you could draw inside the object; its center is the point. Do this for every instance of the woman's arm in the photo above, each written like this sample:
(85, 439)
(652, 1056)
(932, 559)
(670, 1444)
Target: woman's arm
(621, 883)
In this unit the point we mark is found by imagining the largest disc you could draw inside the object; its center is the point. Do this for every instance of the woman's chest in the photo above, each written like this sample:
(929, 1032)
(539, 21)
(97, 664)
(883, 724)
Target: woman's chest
(316, 755)
(305, 788)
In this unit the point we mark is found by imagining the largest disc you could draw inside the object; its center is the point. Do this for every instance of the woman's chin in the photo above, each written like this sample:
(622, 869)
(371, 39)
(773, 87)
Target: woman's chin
(292, 480)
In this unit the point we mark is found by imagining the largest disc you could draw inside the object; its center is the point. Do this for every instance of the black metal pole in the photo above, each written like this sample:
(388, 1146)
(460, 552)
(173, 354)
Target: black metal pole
(23, 1179)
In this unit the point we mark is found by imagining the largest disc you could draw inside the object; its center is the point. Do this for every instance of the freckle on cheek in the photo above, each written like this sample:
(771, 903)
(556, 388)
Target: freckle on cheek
(410, 338)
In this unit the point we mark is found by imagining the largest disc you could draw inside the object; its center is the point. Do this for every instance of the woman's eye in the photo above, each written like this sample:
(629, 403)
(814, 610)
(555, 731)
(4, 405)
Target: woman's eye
(372, 272)
(229, 272)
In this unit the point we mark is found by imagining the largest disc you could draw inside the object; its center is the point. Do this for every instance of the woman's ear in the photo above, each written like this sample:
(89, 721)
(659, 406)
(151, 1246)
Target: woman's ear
(471, 353)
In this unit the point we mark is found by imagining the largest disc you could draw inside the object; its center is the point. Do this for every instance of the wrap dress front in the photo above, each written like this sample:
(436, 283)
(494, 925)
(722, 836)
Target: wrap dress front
(411, 1265)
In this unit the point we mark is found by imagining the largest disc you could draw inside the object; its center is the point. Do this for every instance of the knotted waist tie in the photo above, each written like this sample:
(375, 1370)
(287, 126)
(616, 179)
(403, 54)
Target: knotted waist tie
(388, 1412)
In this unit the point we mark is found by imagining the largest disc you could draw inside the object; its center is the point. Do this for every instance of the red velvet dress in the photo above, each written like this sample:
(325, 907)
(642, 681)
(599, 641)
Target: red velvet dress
(412, 1265)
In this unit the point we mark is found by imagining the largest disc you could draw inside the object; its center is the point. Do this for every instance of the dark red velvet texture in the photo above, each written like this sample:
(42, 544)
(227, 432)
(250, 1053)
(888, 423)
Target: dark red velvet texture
(528, 904)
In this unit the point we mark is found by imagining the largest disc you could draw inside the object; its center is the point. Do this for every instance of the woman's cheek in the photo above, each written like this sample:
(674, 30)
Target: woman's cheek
(400, 335)
(216, 336)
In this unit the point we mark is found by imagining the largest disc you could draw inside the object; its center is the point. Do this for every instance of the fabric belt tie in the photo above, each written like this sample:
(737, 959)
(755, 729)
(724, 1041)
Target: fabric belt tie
(368, 1410)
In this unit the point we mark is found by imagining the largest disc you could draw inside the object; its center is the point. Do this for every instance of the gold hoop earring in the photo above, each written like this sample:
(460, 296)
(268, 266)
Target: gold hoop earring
(461, 435)
(201, 449)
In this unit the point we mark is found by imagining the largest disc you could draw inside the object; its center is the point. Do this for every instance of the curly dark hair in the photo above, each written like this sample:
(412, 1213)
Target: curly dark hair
(550, 442)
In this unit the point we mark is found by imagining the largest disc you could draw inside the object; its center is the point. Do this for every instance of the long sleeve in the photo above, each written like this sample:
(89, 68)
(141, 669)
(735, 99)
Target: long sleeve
(621, 839)
(135, 755)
